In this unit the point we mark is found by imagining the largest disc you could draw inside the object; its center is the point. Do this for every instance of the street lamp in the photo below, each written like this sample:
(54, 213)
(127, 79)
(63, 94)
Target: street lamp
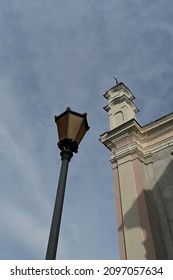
(71, 127)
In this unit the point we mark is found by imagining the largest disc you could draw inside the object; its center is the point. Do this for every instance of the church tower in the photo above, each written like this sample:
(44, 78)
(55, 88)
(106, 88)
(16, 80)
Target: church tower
(120, 105)
(142, 165)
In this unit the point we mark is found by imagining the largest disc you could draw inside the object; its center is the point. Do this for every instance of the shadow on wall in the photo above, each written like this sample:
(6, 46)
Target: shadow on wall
(160, 210)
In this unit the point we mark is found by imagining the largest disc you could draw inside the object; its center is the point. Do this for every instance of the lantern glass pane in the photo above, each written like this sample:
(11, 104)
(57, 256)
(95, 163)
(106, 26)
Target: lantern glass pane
(62, 126)
(81, 133)
(74, 126)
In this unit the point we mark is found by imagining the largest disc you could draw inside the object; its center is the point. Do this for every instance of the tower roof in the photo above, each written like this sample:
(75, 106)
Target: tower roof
(117, 88)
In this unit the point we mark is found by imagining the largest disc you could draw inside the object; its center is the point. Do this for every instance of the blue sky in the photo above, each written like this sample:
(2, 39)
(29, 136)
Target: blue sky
(55, 54)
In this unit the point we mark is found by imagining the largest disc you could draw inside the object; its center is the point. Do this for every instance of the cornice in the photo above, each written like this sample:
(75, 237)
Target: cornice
(120, 99)
(143, 140)
(119, 133)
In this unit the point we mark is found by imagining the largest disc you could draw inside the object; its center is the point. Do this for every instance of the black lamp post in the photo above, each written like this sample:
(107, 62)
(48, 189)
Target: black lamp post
(71, 128)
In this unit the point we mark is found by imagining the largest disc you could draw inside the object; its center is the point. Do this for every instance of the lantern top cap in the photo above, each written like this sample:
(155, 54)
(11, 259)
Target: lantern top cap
(68, 109)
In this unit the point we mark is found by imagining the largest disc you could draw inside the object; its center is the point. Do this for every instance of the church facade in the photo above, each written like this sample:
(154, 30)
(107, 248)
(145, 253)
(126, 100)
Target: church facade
(142, 164)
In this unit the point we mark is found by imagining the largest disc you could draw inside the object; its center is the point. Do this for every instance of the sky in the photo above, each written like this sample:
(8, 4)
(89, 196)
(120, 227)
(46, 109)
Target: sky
(60, 53)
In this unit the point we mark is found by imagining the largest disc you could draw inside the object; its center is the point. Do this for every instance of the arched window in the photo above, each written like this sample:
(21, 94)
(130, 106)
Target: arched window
(118, 118)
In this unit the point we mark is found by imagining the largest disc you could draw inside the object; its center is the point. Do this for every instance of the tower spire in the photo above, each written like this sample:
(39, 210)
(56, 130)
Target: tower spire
(116, 80)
